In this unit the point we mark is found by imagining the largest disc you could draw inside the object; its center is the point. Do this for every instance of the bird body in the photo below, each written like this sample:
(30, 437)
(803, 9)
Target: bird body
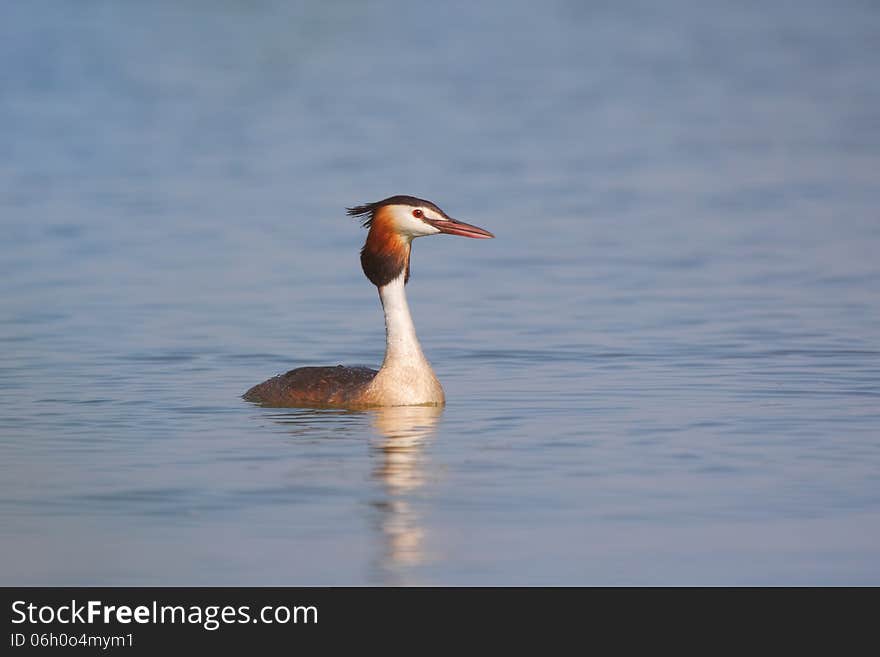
(405, 377)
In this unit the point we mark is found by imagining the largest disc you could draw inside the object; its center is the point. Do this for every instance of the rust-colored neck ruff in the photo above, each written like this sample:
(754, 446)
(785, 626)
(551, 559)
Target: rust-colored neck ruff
(386, 253)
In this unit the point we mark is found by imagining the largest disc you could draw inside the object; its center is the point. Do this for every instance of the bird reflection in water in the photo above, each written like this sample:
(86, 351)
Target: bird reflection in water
(403, 432)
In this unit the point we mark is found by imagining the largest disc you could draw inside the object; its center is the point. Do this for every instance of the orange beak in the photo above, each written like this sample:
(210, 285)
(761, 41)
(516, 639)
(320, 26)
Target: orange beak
(455, 227)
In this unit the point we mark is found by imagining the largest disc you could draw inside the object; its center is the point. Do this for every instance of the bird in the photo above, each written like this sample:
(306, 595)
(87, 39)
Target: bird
(405, 377)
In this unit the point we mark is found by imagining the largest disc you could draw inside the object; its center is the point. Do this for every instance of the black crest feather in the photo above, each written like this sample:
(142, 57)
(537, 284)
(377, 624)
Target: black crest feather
(366, 211)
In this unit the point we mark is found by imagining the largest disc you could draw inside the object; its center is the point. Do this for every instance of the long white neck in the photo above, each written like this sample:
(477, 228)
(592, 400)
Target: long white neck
(406, 376)
(402, 347)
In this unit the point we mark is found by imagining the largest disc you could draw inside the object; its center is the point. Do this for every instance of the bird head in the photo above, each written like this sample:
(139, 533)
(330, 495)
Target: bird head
(393, 223)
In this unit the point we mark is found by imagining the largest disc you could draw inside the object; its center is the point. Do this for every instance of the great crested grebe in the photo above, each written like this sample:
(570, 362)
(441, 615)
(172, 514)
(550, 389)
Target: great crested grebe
(405, 377)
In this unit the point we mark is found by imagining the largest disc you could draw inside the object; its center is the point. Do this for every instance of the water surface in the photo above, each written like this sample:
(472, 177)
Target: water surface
(664, 370)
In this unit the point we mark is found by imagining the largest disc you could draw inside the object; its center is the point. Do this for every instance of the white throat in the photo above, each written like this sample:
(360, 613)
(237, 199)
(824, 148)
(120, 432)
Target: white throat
(406, 376)
(401, 344)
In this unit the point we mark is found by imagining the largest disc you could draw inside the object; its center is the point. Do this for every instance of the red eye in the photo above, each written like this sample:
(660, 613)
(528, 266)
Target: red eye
(418, 214)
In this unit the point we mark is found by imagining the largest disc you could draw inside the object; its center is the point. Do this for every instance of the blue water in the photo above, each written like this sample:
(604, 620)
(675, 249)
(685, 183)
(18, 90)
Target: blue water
(664, 370)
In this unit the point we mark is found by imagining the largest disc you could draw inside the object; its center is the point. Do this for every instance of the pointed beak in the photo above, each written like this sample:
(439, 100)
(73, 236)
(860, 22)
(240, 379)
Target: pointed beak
(455, 227)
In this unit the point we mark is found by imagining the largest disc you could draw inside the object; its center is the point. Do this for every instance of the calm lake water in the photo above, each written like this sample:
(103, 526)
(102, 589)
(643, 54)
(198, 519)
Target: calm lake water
(664, 370)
